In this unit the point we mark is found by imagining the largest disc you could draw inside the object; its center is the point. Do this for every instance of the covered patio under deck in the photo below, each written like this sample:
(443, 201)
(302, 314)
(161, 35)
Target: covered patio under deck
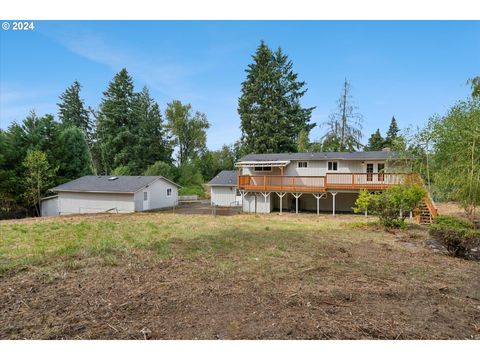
(267, 201)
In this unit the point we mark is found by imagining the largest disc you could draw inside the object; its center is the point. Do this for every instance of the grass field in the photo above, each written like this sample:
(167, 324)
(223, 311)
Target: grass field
(162, 275)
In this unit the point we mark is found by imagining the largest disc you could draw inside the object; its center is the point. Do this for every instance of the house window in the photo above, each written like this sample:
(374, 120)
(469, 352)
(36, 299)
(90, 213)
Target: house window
(145, 196)
(332, 166)
(169, 191)
(263, 168)
(302, 164)
(381, 170)
(369, 172)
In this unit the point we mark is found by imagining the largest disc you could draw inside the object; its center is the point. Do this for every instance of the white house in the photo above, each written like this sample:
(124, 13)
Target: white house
(123, 194)
(223, 189)
(321, 181)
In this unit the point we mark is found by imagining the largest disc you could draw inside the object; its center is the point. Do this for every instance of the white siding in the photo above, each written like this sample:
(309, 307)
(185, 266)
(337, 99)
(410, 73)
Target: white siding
(223, 195)
(157, 193)
(314, 168)
(255, 202)
(317, 168)
(49, 207)
(81, 203)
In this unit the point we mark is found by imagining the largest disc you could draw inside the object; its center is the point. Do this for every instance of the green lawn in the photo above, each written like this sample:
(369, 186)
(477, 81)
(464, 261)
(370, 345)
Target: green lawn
(110, 239)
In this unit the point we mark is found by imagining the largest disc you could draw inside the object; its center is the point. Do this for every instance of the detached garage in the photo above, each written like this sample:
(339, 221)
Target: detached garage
(223, 189)
(122, 194)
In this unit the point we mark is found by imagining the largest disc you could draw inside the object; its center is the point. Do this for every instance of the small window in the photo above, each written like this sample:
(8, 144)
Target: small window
(302, 164)
(169, 192)
(145, 196)
(332, 166)
(263, 168)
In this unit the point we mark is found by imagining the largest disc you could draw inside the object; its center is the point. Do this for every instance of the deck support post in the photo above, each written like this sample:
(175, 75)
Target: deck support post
(334, 194)
(318, 197)
(296, 196)
(242, 196)
(265, 195)
(281, 195)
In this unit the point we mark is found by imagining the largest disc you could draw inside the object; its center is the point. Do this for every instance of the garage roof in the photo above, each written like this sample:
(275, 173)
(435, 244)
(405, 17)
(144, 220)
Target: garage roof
(109, 184)
(224, 178)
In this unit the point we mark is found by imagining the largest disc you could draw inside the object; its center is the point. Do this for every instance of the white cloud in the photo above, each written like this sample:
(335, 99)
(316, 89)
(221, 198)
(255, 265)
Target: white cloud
(164, 76)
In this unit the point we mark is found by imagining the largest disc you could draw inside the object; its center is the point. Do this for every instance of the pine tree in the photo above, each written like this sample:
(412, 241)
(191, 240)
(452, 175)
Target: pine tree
(71, 110)
(73, 156)
(392, 133)
(269, 107)
(375, 142)
(115, 123)
(153, 143)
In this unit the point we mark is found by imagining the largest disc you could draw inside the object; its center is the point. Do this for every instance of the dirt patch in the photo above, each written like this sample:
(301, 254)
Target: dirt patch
(257, 277)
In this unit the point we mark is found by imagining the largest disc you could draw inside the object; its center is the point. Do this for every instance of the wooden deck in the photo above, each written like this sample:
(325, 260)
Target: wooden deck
(316, 184)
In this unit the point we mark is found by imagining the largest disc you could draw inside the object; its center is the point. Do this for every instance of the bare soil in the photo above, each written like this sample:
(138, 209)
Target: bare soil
(338, 289)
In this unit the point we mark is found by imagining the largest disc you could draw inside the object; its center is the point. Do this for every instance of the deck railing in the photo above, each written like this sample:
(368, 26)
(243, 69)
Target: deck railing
(281, 183)
(331, 181)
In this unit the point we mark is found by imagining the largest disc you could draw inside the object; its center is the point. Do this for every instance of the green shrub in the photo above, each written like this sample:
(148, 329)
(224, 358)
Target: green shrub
(457, 235)
(192, 190)
(161, 168)
(391, 204)
(453, 222)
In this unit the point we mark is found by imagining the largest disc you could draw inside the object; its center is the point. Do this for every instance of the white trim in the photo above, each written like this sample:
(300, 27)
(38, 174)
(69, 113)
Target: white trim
(273, 163)
(222, 185)
(332, 161)
(302, 167)
(49, 197)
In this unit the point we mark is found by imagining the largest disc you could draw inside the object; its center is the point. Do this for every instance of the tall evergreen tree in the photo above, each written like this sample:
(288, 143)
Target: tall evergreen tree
(392, 133)
(269, 107)
(73, 156)
(153, 143)
(345, 125)
(375, 142)
(72, 111)
(115, 123)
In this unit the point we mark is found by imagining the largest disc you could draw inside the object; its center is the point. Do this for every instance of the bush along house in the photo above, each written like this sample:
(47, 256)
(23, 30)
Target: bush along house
(322, 181)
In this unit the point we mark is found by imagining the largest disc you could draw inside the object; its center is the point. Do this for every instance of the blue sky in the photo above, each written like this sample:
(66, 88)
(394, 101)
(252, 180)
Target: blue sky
(408, 69)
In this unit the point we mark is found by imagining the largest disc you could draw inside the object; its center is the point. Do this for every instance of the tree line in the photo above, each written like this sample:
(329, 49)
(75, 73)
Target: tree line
(128, 134)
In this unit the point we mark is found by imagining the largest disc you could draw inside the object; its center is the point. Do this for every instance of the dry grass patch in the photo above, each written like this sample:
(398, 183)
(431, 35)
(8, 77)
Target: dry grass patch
(246, 276)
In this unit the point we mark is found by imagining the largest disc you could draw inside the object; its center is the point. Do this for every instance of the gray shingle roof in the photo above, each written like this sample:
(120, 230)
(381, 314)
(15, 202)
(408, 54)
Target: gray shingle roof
(123, 184)
(360, 155)
(225, 177)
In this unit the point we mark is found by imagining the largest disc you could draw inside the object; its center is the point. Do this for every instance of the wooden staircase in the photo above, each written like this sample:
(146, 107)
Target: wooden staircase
(427, 212)
(426, 216)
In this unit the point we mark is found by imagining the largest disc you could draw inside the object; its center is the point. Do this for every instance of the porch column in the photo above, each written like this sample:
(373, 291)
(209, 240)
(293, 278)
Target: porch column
(242, 196)
(265, 195)
(296, 195)
(318, 197)
(281, 195)
(333, 202)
